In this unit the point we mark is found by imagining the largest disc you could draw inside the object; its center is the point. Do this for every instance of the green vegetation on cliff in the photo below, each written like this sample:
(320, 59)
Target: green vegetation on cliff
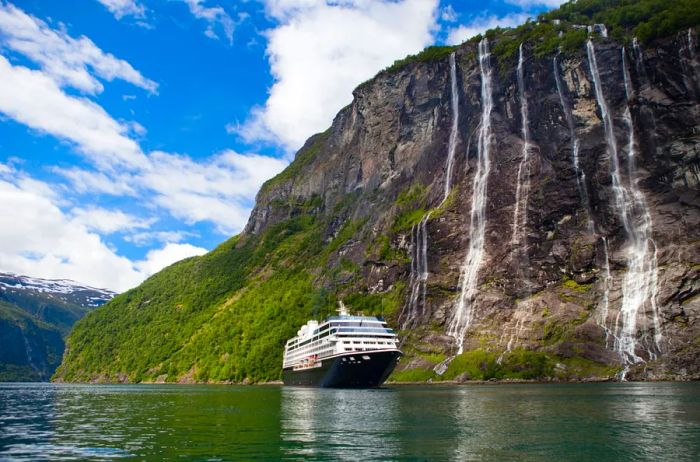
(226, 315)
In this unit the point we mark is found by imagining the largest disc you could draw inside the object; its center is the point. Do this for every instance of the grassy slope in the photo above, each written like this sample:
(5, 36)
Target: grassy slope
(223, 316)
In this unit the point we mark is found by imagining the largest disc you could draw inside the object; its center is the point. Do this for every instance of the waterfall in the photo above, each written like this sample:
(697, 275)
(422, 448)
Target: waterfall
(29, 351)
(629, 91)
(452, 146)
(639, 59)
(691, 44)
(462, 316)
(419, 233)
(522, 189)
(575, 145)
(639, 283)
(419, 271)
(605, 308)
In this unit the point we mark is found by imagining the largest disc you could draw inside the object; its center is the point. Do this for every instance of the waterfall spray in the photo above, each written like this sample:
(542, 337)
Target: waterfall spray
(462, 316)
(419, 233)
(605, 306)
(452, 146)
(638, 287)
(522, 189)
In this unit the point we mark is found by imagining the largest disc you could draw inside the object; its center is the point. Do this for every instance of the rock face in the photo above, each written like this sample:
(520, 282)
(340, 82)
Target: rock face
(601, 261)
(35, 316)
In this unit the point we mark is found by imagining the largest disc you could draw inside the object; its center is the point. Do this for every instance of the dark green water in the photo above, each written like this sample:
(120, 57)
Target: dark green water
(600, 422)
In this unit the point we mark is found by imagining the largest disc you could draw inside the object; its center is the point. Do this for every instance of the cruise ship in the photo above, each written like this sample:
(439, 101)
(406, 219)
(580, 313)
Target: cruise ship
(343, 351)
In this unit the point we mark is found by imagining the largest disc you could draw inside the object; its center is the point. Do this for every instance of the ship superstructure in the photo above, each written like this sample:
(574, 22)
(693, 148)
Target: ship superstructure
(342, 351)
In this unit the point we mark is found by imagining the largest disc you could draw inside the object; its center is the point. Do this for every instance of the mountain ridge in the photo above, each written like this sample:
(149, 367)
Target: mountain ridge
(363, 215)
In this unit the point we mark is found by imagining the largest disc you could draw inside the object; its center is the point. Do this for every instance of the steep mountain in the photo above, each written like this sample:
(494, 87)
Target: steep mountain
(524, 205)
(35, 316)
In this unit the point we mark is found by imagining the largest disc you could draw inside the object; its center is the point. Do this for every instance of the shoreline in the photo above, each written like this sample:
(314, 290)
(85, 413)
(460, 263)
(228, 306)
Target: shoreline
(407, 383)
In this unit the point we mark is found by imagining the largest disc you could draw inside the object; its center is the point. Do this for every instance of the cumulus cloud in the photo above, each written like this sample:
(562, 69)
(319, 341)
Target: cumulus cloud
(215, 16)
(219, 190)
(148, 237)
(459, 34)
(67, 60)
(90, 181)
(106, 221)
(317, 57)
(34, 99)
(37, 238)
(122, 8)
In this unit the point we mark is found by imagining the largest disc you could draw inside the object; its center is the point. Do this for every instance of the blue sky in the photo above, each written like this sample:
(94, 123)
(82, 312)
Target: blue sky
(134, 133)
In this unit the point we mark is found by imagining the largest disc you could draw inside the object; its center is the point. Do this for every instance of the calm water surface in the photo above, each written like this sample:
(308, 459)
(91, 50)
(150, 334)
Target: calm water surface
(601, 422)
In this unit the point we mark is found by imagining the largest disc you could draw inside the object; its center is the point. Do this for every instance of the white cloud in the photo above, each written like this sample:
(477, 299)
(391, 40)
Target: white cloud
(122, 8)
(215, 16)
(448, 14)
(106, 221)
(148, 237)
(220, 189)
(32, 98)
(322, 50)
(37, 238)
(457, 35)
(84, 181)
(65, 59)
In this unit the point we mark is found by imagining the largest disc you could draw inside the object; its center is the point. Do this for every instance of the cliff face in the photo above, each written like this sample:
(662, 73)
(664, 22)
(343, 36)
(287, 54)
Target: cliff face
(600, 259)
(515, 215)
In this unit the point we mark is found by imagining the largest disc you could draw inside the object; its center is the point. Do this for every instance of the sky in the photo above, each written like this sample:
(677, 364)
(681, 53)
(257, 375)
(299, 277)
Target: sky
(135, 133)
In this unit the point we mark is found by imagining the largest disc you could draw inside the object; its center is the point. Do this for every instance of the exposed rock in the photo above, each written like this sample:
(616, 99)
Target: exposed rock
(394, 136)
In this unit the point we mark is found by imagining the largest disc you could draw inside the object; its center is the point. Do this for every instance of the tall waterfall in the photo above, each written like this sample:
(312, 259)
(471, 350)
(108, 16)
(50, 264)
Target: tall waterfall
(575, 145)
(419, 233)
(522, 189)
(462, 316)
(452, 146)
(639, 283)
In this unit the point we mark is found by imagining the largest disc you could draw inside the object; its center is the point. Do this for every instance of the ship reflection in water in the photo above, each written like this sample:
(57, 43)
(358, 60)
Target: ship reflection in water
(340, 424)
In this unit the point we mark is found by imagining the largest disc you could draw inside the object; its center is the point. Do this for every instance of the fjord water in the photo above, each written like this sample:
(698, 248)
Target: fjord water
(613, 421)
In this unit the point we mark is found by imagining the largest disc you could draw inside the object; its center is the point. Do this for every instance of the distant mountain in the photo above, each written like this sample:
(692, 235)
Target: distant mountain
(35, 316)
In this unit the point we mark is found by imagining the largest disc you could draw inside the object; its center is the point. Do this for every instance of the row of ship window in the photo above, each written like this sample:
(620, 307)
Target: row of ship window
(306, 351)
(318, 342)
(312, 342)
(362, 330)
